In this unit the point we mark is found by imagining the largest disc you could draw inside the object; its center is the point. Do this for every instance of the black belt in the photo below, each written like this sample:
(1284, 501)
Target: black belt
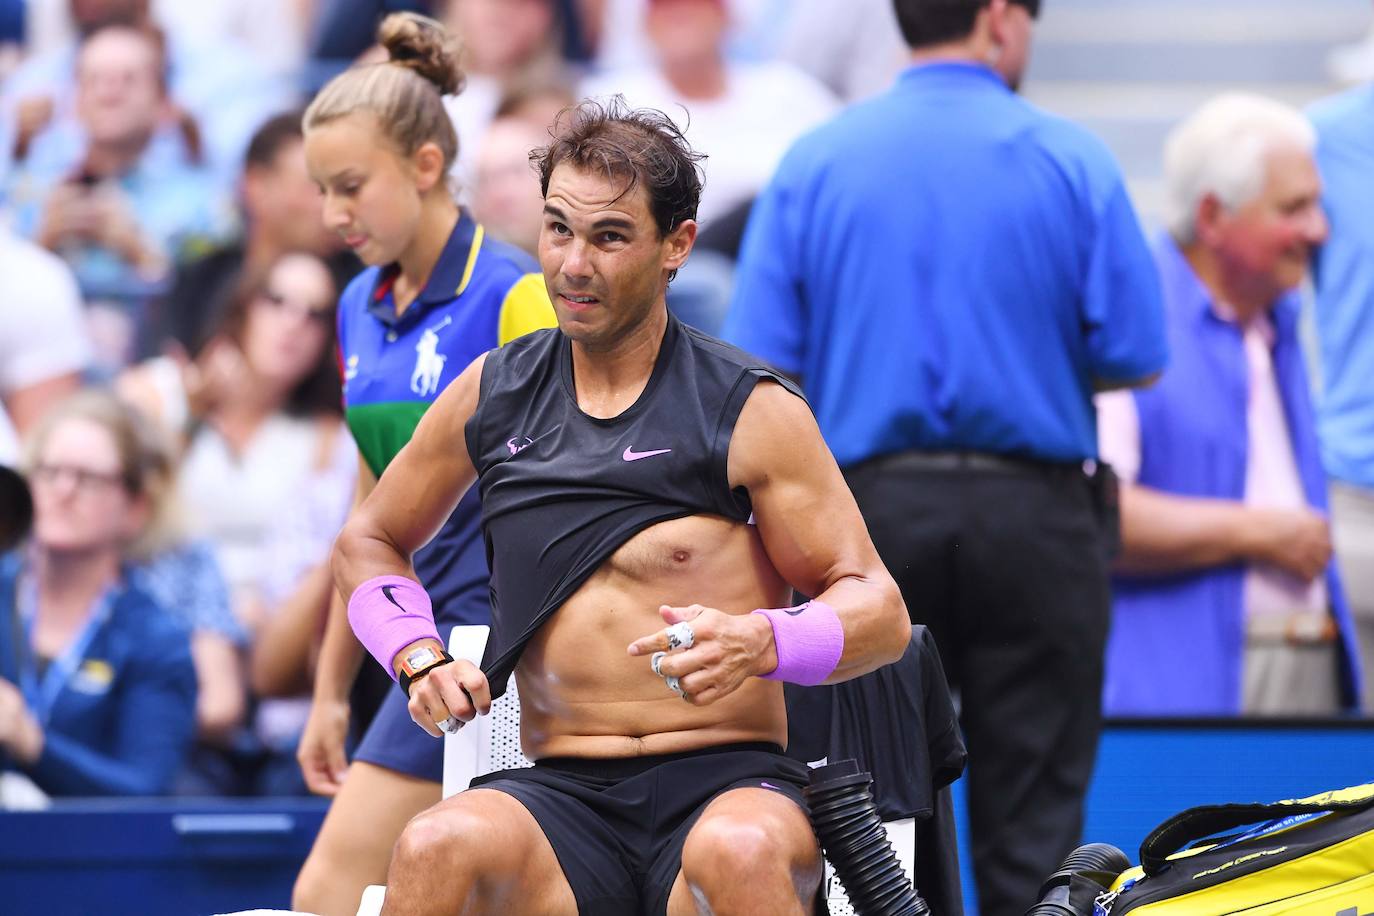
(983, 462)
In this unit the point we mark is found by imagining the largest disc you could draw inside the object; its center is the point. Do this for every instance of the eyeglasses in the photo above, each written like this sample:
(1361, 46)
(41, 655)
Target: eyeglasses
(321, 316)
(82, 478)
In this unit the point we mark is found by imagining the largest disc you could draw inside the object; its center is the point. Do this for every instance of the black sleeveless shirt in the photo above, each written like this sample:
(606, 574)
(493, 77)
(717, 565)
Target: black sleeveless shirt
(561, 490)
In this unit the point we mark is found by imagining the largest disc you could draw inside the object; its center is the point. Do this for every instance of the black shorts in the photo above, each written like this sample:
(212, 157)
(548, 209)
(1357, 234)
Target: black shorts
(618, 826)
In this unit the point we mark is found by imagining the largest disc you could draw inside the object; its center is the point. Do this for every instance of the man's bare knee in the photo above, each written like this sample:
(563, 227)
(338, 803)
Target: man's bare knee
(451, 837)
(477, 852)
(729, 848)
(728, 844)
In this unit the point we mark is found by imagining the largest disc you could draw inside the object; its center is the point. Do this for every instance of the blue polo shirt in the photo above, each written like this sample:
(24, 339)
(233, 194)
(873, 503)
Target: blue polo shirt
(948, 267)
(481, 294)
(1343, 272)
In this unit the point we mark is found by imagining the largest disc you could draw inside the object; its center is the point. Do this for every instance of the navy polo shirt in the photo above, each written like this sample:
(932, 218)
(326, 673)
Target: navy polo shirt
(948, 267)
(480, 295)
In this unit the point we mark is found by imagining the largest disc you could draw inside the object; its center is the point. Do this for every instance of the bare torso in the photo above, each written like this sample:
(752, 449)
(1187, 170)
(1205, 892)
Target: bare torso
(583, 695)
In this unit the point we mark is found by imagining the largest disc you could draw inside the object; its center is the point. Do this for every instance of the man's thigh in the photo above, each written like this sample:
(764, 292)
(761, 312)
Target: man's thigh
(507, 863)
(581, 848)
(774, 814)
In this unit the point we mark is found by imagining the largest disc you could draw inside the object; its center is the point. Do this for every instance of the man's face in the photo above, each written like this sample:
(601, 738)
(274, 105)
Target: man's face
(119, 93)
(1266, 244)
(603, 259)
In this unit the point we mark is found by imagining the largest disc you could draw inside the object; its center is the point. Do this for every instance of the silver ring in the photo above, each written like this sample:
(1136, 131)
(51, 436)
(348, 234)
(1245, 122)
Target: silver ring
(655, 660)
(675, 686)
(680, 636)
(451, 725)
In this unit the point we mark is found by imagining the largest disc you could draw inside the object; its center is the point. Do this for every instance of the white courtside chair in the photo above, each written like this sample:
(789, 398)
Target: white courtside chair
(490, 743)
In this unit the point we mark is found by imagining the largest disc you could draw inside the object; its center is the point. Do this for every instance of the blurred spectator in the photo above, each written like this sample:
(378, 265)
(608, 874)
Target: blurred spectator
(261, 411)
(508, 46)
(97, 687)
(1343, 271)
(281, 211)
(257, 404)
(344, 29)
(296, 589)
(1227, 601)
(184, 577)
(615, 30)
(950, 272)
(126, 209)
(505, 193)
(854, 48)
(43, 344)
(225, 89)
(269, 33)
(745, 114)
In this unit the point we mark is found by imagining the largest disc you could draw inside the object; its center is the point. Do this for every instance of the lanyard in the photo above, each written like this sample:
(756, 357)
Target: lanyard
(41, 693)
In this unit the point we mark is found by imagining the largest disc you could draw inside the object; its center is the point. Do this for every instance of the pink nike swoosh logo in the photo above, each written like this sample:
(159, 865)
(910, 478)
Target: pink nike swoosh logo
(632, 455)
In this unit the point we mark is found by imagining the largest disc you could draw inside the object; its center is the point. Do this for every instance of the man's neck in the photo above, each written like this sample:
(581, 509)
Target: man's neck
(70, 581)
(975, 49)
(609, 381)
(703, 80)
(438, 217)
(1244, 300)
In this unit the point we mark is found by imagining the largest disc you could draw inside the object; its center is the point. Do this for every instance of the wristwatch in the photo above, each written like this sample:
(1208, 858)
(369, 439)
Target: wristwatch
(418, 662)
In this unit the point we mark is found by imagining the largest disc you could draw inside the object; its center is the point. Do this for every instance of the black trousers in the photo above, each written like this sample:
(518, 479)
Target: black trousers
(1007, 566)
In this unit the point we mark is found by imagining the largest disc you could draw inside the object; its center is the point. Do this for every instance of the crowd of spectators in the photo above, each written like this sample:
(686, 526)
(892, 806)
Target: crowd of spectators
(162, 244)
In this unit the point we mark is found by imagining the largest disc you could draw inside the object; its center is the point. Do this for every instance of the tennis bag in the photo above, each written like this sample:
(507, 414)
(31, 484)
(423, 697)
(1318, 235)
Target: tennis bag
(1310, 856)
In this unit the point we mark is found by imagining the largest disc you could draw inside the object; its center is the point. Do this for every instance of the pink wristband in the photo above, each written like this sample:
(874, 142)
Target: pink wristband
(389, 613)
(809, 639)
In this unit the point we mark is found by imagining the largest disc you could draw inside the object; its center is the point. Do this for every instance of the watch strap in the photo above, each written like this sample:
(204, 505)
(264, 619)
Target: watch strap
(405, 679)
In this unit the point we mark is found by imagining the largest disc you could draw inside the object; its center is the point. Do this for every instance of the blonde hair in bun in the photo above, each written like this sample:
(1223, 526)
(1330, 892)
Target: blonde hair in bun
(406, 92)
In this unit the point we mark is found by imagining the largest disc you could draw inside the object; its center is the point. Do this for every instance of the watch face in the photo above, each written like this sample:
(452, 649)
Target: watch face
(418, 658)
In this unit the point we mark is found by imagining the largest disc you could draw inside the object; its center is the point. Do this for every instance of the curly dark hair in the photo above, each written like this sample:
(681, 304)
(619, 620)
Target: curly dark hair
(931, 22)
(640, 146)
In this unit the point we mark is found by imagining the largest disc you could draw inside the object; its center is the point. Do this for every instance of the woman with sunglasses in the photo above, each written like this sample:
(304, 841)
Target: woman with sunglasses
(97, 687)
(259, 415)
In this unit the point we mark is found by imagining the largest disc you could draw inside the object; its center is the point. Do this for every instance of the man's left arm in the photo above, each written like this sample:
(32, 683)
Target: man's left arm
(1122, 304)
(817, 540)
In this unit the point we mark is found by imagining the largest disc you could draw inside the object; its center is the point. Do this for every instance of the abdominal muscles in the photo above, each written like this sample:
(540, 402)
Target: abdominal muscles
(582, 694)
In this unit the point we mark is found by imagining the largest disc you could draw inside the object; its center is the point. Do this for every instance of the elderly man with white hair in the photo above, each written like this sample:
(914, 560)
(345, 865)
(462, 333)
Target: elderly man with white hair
(1226, 599)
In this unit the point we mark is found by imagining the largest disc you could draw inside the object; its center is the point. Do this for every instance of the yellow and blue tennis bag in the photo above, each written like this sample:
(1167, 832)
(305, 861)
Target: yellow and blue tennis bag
(1310, 856)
